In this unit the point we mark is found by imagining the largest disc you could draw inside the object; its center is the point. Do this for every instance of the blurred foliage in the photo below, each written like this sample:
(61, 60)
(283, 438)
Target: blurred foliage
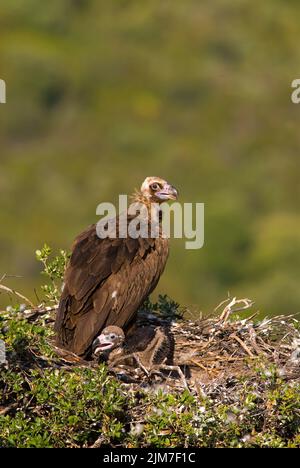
(102, 94)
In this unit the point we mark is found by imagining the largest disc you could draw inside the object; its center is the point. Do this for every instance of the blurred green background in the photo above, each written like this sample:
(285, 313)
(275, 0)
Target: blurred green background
(102, 94)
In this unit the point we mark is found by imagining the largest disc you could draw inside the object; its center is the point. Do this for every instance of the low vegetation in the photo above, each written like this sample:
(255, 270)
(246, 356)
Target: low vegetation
(48, 400)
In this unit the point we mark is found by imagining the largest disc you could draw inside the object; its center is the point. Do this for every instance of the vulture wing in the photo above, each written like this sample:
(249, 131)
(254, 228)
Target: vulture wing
(106, 281)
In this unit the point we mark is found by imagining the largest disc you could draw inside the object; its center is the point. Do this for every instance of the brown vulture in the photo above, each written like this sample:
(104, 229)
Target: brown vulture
(150, 346)
(107, 279)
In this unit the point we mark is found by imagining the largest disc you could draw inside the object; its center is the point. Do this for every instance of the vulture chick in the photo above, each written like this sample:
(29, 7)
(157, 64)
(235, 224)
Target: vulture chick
(148, 345)
(150, 348)
(107, 279)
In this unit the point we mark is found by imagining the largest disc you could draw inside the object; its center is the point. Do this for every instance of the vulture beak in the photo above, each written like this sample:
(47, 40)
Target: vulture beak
(100, 344)
(168, 192)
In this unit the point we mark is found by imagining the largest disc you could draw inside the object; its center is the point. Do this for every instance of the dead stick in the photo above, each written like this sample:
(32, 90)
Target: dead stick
(243, 345)
(16, 293)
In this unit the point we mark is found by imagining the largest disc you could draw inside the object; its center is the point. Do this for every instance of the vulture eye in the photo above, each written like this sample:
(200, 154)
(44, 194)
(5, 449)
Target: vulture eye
(155, 186)
(113, 336)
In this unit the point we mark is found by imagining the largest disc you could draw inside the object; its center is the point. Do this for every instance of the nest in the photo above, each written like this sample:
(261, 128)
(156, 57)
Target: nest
(215, 350)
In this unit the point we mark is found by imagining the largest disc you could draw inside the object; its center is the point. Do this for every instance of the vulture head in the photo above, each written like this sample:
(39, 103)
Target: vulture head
(111, 337)
(157, 190)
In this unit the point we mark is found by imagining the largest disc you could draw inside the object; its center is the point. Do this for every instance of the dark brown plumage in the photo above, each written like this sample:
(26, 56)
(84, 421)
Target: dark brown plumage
(108, 279)
(148, 346)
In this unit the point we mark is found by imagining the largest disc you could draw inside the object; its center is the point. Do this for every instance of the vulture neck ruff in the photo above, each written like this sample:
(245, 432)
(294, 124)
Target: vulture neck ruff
(153, 206)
